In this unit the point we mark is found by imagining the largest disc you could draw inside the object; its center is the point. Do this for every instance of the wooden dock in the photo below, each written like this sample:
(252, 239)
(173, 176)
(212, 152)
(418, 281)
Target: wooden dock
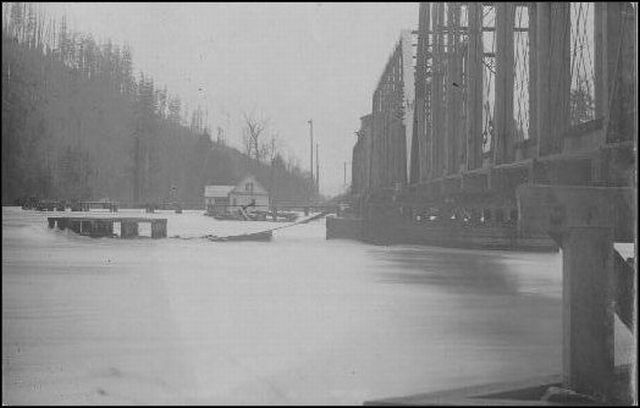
(104, 226)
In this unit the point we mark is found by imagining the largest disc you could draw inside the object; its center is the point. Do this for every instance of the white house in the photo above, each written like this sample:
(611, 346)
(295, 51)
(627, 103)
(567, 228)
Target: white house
(216, 198)
(225, 198)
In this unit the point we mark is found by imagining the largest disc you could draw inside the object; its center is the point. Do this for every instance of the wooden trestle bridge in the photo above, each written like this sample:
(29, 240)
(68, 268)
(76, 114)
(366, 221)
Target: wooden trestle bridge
(485, 97)
(499, 122)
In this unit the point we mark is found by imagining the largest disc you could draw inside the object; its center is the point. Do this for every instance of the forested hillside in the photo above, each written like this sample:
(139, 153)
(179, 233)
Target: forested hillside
(78, 123)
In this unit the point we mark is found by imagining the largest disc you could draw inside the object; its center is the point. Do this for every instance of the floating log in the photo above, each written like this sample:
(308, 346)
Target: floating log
(256, 236)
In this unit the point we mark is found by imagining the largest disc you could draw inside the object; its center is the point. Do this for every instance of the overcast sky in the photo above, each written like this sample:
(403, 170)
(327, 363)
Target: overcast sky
(287, 61)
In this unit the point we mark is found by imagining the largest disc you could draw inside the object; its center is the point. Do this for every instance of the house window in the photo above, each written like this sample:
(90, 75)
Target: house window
(248, 187)
(234, 201)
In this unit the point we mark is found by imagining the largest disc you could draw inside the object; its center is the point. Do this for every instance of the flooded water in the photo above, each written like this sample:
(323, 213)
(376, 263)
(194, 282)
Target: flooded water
(299, 320)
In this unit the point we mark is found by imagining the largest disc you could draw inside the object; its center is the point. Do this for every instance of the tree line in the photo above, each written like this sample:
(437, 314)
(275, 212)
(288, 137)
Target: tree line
(78, 123)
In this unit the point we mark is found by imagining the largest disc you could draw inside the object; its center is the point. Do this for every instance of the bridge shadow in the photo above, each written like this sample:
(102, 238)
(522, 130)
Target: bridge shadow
(462, 271)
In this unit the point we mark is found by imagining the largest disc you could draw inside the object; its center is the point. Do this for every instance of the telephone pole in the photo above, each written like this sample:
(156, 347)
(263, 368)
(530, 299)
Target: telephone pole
(310, 122)
(317, 171)
(345, 173)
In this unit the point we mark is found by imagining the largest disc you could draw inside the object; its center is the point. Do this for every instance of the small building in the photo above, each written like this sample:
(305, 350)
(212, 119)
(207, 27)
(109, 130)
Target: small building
(226, 198)
(216, 198)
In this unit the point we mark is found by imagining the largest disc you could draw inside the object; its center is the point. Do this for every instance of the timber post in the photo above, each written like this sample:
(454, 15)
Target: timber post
(584, 221)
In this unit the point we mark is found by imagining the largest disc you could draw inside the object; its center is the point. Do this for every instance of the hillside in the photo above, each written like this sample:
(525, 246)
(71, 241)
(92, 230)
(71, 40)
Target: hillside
(78, 124)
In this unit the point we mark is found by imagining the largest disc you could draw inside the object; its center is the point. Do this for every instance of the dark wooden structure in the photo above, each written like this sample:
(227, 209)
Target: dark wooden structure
(104, 227)
(505, 94)
(585, 221)
(525, 122)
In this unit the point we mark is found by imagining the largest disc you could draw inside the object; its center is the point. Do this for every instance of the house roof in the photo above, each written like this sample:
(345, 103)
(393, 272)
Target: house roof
(217, 190)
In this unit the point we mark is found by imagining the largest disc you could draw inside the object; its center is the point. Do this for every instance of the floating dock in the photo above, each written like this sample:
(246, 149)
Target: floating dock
(104, 227)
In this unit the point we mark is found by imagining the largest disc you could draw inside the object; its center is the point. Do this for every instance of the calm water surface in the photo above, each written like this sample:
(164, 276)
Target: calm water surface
(298, 320)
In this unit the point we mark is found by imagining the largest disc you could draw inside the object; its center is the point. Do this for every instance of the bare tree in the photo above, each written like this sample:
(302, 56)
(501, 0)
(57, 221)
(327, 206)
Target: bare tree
(220, 138)
(254, 127)
(269, 149)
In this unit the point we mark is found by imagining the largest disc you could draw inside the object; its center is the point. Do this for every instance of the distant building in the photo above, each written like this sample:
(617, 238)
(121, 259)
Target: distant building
(226, 198)
(216, 198)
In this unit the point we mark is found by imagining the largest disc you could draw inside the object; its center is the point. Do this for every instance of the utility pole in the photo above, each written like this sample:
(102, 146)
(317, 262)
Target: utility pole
(310, 122)
(345, 173)
(317, 171)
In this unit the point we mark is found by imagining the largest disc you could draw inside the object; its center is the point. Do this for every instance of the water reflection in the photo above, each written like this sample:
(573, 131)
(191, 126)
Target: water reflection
(460, 271)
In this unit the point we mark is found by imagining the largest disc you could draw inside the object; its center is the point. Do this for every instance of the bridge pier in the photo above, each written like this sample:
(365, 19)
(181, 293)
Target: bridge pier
(584, 221)
(587, 272)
